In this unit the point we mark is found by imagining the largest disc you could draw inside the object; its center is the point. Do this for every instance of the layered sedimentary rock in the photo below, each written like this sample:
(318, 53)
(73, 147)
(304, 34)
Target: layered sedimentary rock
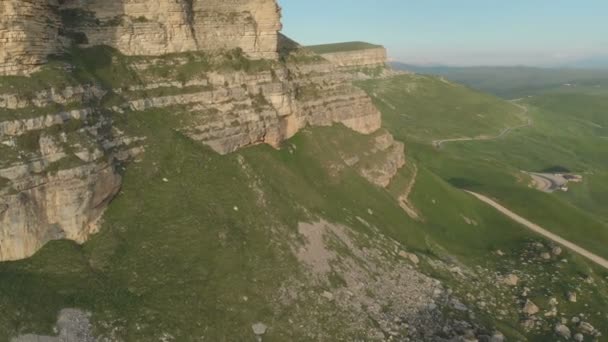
(156, 27)
(59, 147)
(230, 110)
(30, 30)
(28, 34)
(361, 58)
(57, 170)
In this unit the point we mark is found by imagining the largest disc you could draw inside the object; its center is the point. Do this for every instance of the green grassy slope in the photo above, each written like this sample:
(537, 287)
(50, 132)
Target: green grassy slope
(179, 256)
(422, 109)
(220, 230)
(565, 133)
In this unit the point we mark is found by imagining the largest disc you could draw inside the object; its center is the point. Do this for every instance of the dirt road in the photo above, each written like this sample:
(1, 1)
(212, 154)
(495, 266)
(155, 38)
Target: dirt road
(547, 234)
(438, 143)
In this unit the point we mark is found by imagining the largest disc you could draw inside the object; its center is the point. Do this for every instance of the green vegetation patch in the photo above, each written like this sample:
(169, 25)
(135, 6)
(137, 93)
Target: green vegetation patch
(421, 108)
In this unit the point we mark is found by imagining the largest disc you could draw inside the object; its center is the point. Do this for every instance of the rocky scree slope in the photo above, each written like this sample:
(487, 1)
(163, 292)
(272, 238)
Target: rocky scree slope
(61, 151)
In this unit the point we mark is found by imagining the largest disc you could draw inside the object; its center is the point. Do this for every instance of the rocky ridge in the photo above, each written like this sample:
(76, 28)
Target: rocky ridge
(61, 148)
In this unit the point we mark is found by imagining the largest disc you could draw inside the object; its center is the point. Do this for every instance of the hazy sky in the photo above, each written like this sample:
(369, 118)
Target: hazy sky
(460, 32)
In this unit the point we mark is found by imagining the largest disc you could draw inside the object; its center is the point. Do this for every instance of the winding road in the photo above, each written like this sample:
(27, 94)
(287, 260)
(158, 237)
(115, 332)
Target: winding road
(541, 231)
(529, 122)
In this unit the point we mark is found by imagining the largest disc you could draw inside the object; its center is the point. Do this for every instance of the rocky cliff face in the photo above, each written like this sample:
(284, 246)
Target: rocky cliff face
(363, 58)
(59, 145)
(57, 170)
(31, 30)
(156, 27)
(28, 34)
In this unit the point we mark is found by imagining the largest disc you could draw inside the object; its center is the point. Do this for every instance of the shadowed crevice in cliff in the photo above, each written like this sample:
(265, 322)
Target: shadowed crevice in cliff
(188, 7)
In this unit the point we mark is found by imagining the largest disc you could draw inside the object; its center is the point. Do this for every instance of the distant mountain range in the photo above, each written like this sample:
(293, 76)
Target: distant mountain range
(518, 81)
(598, 62)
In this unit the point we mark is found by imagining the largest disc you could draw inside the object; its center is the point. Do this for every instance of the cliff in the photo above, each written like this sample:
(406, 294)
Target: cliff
(28, 34)
(213, 65)
(31, 30)
(352, 55)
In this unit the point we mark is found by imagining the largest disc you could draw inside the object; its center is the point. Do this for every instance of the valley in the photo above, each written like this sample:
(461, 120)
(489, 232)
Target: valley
(162, 183)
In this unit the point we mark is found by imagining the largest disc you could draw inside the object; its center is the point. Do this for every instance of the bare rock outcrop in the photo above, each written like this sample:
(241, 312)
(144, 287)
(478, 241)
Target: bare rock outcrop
(28, 34)
(30, 30)
(238, 108)
(65, 205)
(360, 58)
(59, 149)
(57, 171)
(157, 27)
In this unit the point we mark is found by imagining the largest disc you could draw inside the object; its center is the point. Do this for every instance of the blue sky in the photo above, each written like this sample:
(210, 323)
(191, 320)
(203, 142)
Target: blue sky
(458, 32)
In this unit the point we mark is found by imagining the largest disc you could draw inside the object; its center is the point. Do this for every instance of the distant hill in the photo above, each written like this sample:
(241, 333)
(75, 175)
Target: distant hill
(517, 81)
(598, 62)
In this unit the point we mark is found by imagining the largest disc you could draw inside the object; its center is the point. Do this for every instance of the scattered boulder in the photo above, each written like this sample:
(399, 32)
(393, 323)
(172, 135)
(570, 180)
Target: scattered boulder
(327, 295)
(497, 337)
(545, 256)
(530, 308)
(586, 328)
(579, 337)
(511, 280)
(456, 304)
(571, 297)
(563, 331)
(552, 312)
(410, 256)
(557, 251)
(528, 324)
(259, 328)
(413, 258)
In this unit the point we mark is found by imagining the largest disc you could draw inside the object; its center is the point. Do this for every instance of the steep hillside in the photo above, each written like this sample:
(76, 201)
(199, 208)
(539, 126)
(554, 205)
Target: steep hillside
(162, 183)
(424, 109)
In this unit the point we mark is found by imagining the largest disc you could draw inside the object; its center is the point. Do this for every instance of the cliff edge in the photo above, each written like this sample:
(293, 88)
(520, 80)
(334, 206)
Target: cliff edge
(79, 68)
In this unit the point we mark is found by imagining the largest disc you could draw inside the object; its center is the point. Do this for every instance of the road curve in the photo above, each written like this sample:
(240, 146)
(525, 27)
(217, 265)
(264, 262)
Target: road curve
(438, 143)
(538, 229)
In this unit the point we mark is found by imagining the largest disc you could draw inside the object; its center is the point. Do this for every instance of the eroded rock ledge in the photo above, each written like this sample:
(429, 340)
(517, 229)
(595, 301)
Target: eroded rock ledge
(60, 150)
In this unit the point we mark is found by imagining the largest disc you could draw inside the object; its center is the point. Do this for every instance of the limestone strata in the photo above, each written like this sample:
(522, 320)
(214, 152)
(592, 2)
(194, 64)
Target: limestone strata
(364, 58)
(30, 30)
(156, 27)
(57, 171)
(64, 205)
(237, 109)
(28, 34)
(63, 96)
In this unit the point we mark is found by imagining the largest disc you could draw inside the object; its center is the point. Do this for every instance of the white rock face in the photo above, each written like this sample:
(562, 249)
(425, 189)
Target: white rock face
(156, 27)
(62, 206)
(28, 34)
(364, 58)
(30, 29)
